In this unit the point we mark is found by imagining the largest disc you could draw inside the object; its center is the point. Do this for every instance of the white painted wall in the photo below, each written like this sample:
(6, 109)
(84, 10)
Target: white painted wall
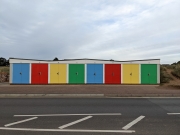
(84, 61)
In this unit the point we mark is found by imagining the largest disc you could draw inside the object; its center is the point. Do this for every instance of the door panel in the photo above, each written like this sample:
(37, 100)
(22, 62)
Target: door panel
(43, 70)
(98, 70)
(153, 74)
(80, 73)
(72, 73)
(144, 73)
(54, 77)
(16, 73)
(108, 73)
(62, 73)
(90, 73)
(149, 73)
(135, 73)
(35, 73)
(25, 73)
(126, 73)
(116, 74)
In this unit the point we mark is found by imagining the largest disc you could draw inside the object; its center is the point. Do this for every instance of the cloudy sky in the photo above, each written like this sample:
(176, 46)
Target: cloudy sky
(96, 29)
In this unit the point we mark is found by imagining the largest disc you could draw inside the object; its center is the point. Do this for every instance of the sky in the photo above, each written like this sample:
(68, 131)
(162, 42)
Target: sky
(96, 29)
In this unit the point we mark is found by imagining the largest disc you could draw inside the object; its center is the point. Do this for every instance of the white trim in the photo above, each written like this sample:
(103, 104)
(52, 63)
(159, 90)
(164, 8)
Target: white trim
(49, 73)
(103, 73)
(67, 73)
(86, 61)
(30, 73)
(11, 73)
(121, 73)
(158, 73)
(139, 73)
(85, 73)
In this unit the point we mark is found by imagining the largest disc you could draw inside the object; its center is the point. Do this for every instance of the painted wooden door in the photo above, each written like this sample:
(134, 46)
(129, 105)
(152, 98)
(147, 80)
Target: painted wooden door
(126, 73)
(20, 73)
(108, 73)
(62, 73)
(39, 73)
(43, 69)
(116, 74)
(76, 73)
(95, 73)
(16, 73)
(80, 74)
(130, 73)
(90, 73)
(134, 73)
(72, 73)
(25, 73)
(54, 73)
(148, 73)
(98, 73)
(112, 73)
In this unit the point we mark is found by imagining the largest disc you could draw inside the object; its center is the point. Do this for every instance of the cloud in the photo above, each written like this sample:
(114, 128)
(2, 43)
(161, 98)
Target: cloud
(104, 29)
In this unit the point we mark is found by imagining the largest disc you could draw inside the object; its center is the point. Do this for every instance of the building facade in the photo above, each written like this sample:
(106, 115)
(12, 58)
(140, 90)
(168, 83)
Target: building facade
(84, 71)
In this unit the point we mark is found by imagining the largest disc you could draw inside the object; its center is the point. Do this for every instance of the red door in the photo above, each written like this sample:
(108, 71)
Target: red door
(116, 74)
(43, 74)
(108, 73)
(39, 74)
(35, 74)
(112, 74)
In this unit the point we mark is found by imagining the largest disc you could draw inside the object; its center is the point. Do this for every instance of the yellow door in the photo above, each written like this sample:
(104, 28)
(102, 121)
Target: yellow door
(126, 73)
(62, 73)
(54, 69)
(135, 74)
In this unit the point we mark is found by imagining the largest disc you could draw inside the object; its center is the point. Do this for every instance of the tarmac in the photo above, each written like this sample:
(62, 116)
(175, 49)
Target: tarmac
(86, 91)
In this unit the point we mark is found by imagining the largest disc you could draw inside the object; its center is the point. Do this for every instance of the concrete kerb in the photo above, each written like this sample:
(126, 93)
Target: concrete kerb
(87, 95)
(51, 95)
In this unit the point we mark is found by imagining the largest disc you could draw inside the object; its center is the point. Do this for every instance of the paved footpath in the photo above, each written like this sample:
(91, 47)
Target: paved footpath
(91, 90)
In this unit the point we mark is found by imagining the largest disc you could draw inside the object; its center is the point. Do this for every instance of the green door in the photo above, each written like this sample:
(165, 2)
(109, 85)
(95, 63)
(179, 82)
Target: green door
(76, 73)
(148, 73)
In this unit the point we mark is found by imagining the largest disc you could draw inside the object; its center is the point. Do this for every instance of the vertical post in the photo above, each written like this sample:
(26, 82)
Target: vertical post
(30, 73)
(103, 73)
(85, 74)
(121, 73)
(139, 73)
(11, 73)
(67, 73)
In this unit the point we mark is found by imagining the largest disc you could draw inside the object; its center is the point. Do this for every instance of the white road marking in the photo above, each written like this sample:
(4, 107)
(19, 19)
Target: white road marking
(14, 123)
(74, 122)
(67, 130)
(65, 114)
(133, 122)
(173, 113)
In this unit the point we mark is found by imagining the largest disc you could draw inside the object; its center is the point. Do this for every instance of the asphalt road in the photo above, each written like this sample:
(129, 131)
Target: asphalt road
(103, 116)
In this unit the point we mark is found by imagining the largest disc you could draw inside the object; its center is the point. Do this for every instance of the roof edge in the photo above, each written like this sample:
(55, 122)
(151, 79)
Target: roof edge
(86, 59)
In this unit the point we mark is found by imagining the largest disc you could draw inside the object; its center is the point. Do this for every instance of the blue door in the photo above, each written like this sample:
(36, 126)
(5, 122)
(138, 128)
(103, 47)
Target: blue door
(98, 69)
(20, 73)
(90, 73)
(95, 73)
(25, 73)
(16, 73)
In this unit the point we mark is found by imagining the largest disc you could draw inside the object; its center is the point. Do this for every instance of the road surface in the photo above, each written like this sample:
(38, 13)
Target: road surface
(90, 116)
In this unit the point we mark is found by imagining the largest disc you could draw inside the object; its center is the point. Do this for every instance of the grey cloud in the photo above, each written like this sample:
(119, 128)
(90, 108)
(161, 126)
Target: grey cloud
(106, 29)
